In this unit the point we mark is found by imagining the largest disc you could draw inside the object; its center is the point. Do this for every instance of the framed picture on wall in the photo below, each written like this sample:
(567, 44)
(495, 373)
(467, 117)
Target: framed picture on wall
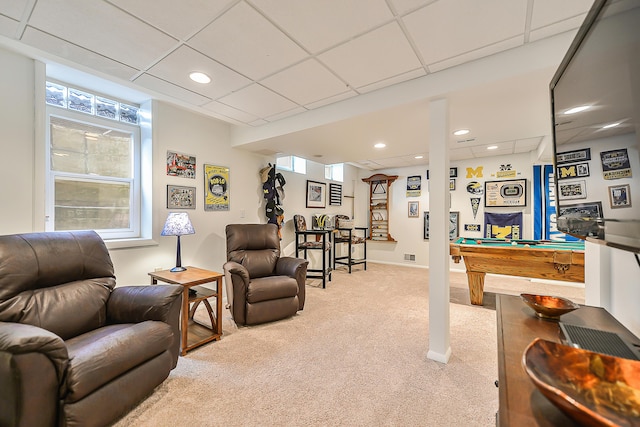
(413, 209)
(316, 194)
(179, 197)
(620, 196)
(454, 225)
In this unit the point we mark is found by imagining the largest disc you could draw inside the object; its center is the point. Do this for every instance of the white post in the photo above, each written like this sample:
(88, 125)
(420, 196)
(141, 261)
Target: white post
(439, 322)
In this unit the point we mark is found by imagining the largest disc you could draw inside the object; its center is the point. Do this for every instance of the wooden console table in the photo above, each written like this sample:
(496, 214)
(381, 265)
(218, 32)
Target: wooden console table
(521, 404)
(194, 333)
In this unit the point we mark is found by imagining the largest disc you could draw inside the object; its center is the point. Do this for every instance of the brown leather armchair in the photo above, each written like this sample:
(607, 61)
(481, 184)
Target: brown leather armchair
(74, 349)
(261, 285)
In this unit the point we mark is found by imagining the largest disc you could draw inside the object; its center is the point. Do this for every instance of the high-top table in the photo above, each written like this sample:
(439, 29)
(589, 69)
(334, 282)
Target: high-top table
(521, 404)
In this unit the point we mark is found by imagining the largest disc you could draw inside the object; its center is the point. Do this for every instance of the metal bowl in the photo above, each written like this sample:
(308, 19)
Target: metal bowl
(549, 307)
(594, 389)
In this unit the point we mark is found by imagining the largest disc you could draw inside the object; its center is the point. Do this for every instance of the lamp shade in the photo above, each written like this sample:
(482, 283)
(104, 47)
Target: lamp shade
(177, 224)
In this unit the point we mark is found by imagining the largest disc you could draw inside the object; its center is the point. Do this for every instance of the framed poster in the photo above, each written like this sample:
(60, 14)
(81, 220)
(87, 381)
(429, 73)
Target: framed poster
(620, 196)
(316, 194)
(413, 209)
(181, 197)
(452, 184)
(584, 210)
(508, 193)
(578, 170)
(414, 186)
(454, 224)
(216, 187)
(572, 190)
(182, 165)
(573, 156)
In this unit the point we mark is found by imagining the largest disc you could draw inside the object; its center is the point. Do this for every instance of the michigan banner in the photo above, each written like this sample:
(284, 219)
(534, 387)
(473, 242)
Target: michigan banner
(544, 206)
(503, 225)
(216, 184)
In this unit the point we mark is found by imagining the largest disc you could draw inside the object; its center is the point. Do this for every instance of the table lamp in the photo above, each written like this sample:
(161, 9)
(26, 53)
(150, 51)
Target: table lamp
(177, 224)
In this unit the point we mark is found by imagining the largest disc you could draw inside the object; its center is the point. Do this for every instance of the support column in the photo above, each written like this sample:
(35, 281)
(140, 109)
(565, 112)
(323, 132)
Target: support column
(439, 322)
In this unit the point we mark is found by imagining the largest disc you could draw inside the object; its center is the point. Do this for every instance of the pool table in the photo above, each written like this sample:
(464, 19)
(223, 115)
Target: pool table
(525, 258)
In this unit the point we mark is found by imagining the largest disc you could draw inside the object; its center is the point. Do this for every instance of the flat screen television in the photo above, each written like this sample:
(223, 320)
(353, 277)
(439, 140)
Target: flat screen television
(595, 102)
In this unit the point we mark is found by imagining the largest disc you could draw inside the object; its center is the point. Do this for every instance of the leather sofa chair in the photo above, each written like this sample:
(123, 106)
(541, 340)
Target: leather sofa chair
(261, 285)
(74, 349)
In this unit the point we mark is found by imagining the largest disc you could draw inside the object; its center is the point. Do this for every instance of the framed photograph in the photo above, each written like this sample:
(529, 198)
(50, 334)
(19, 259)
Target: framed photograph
(181, 197)
(216, 187)
(620, 196)
(316, 194)
(572, 190)
(452, 184)
(453, 172)
(508, 193)
(578, 170)
(583, 210)
(454, 224)
(413, 209)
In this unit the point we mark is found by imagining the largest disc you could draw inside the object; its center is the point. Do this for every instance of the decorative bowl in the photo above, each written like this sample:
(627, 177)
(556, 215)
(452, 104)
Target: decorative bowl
(549, 307)
(592, 388)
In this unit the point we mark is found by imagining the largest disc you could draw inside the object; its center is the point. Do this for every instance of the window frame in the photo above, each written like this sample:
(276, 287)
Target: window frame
(135, 202)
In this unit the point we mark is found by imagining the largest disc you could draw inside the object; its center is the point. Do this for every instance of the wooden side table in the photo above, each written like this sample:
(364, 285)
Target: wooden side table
(195, 333)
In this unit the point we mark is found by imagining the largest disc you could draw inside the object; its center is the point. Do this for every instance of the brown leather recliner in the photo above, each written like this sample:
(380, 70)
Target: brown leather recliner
(261, 285)
(74, 349)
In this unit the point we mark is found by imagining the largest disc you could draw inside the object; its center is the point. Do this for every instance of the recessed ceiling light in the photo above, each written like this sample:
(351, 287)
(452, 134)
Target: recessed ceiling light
(199, 77)
(612, 125)
(380, 145)
(492, 147)
(419, 157)
(461, 132)
(579, 109)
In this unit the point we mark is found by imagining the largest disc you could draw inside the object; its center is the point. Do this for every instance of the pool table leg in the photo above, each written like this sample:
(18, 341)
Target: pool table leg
(476, 287)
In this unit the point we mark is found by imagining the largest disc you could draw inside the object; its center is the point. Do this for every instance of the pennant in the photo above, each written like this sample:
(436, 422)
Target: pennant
(475, 203)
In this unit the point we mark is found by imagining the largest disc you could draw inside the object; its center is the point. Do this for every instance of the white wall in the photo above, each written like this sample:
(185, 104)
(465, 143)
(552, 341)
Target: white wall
(17, 124)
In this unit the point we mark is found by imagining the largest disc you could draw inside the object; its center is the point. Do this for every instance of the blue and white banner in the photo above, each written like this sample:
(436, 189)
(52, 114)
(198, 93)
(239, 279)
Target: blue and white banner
(544, 206)
(503, 225)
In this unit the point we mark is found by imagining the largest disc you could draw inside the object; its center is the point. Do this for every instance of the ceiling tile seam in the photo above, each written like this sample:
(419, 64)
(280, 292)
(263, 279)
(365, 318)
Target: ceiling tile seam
(157, 61)
(349, 89)
(83, 48)
(24, 19)
(259, 116)
(480, 48)
(413, 45)
(209, 99)
(222, 12)
(527, 21)
(387, 78)
(137, 18)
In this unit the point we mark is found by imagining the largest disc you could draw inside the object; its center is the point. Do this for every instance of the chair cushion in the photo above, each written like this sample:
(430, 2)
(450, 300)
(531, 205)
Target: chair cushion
(104, 354)
(273, 287)
(260, 262)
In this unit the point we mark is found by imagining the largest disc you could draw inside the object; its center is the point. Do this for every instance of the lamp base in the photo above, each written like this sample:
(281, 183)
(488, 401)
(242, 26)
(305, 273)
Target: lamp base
(177, 269)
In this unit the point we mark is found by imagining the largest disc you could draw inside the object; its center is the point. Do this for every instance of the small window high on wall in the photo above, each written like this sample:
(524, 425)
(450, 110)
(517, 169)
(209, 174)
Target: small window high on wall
(292, 164)
(334, 172)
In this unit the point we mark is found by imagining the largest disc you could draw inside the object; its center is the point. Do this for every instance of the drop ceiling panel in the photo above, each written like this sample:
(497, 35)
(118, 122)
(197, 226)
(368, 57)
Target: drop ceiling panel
(476, 54)
(306, 82)
(331, 100)
(529, 144)
(571, 24)
(246, 42)
(85, 57)
(178, 18)
(166, 88)
(231, 112)
(258, 100)
(414, 74)
(14, 9)
(320, 24)
(460, 154)
(288, 113)
(177, 66)
(8, 26)
(376, 56)
(404, 6)
(547, 12)
(446, 29)
(90, 24)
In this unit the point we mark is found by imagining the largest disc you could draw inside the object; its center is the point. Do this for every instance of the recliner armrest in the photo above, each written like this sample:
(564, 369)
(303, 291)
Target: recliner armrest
(289, 266)
(19, 338)
(135, 304)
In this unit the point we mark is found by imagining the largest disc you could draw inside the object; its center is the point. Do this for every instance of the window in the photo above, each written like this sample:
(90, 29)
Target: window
(93, 164)
(334, 172)
(292, 163)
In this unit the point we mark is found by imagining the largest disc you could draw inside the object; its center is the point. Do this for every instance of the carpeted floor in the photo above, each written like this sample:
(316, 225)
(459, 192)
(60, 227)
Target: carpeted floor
(355, 356)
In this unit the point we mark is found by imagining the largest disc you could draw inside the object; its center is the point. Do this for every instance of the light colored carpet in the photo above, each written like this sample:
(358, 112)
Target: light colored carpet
(355, 356)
